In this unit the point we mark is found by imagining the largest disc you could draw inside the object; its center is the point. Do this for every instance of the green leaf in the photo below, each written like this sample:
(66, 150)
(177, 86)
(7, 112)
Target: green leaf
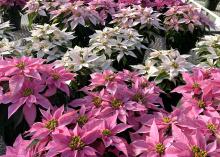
(33, 143)
(31, 18)
(163, 75)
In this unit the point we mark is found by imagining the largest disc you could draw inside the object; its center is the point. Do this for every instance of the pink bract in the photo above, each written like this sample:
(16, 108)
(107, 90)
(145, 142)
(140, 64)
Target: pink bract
(72, 143)
(50, 122)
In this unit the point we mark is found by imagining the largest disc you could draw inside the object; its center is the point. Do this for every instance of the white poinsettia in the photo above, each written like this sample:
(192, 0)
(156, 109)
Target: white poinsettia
(77, 58)
(208, 51)
(165, 64)
(47, 41)
(149, 69)
(9, 47)
(101, 64)
(175, 65)
(119, 41)
(52, 33)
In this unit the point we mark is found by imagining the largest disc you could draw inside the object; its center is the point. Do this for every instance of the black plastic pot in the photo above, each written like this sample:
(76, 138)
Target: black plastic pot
(183, 41)
(212, 4)
(12, 15)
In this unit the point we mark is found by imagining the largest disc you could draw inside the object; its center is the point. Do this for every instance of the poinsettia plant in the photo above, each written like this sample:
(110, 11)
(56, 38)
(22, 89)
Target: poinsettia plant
(208, 51)
(166, 64)
(161, 4)
(184, 25)
(125, 117)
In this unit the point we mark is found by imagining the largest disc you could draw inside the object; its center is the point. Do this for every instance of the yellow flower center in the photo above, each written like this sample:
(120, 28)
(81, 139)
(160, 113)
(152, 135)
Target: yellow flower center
(197, 152)
(166, 120)
(175, 65)
(106, 132)
(27, 92)
(144, 85)
(211, 127)
(160, 148)
(97, 101)
(104, 43)
(110, 77)
(138, 97)
(21, 65)
(196, 85)
(55, 76)
(82, 120)
(52, 124)
(116, 104)
(201, 104)
(76, 143)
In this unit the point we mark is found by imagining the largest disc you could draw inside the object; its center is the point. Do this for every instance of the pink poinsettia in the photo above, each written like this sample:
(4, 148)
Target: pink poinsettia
(108, 130)
(75, 143)
(104, 8)
(193, 85)
(57, 78)
(161, 3)
(154, 144)
(28, 97)
(50, 122)
(173, 23)
(185, 18)
(83, 117)
(107, 78)
(17, 69)
(193, 145)
(199, 107)
(147, 86)
(94, 100)
(163, 121)
(147, 96)
(208, 125)
(19, 148)
(123, 118)
(129, 2)
(118, 103)
(80, 13)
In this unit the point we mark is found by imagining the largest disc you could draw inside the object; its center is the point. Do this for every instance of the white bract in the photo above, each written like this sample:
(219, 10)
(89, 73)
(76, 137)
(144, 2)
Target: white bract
(9, 47)
(208, 51)
(149, 69)
(175, 65)
(3, 27)
(48, 41)
(116, 41)
(78, 58)
(165, 64)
